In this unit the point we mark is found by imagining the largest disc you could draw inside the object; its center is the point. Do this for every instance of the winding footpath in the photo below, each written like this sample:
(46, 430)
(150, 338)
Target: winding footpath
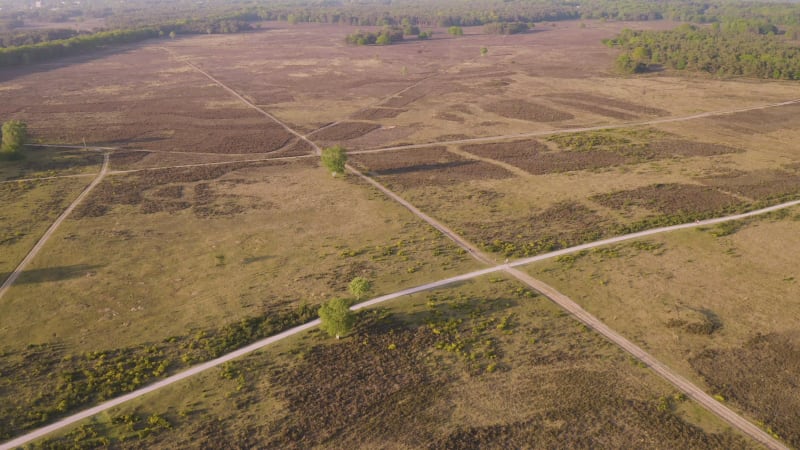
(53, 227)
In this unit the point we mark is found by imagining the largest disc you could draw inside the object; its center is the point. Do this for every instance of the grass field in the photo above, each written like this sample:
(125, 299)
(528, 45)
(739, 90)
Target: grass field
(217, 227)
(485, 364)
(29, 207)
(719, 305)
(231, 243)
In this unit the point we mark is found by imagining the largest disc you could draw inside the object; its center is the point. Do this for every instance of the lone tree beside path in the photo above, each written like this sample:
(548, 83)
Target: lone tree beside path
(337, 319)
(359, 287)
(334, 158)
(15, 135)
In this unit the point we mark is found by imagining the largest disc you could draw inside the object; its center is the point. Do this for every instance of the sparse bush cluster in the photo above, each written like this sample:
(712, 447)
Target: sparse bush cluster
(467, 327)
(506, 28)
(55, 384)
(386, 36)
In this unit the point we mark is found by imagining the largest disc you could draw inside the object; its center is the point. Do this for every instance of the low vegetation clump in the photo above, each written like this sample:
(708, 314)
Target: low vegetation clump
(48, 383)
(14, 137)
(334, 159)
(386, 36)
(382, 364)
(506, 28)
(673, 199)
(567, 224)
(455, 30)
(738, 374)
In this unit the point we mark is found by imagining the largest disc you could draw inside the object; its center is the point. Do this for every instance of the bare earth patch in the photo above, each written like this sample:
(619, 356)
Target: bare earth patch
(533, 157)
(525, 110)
(377, 113)
(759, 184)
(670, 199)
(739, 374)
(428, 166)
(345, 131)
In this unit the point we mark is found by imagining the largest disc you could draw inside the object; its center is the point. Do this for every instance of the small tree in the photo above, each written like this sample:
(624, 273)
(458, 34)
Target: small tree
(455, 31)
(337, 319)
(334, 158)
(359, 287)
(15, 134)
(484, 51)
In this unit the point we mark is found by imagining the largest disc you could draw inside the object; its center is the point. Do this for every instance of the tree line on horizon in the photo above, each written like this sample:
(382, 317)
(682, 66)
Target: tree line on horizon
(143, 19)
(734, 49)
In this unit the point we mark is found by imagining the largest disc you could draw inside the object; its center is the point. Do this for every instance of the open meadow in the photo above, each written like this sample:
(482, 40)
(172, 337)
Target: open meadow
(215, 226)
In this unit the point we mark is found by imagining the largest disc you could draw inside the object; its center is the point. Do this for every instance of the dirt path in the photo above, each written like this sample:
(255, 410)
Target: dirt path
(452, 235)
(36, 248)
(699, 394)
(589, 320)
(686, 386)
(243, 100)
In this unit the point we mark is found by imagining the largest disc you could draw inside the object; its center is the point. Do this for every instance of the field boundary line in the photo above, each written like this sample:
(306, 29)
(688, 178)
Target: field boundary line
(69, 420)
(53, 227)
(506, 137)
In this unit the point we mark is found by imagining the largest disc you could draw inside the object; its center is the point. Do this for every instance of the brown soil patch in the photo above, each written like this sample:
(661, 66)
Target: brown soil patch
(377, 113)
(450, 117)
(164, 107)
(351, 385)
(671, 199)
(761, 121)
(532, 156)
(298, 147)
(759, 184)
(428, 166)
(590, 99)
(762, 376)
(594, 411)
(424, 89)
(562, 225)
(155, 191)
(677, 147)
(595, 109)
(126, 158)
(525, 110)
(345, 131)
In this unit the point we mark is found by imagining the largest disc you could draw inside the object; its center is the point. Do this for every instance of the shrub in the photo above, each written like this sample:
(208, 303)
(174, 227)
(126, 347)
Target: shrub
(334, 159)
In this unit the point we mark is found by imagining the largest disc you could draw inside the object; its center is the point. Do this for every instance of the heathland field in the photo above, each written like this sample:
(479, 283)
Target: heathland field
(214, 226)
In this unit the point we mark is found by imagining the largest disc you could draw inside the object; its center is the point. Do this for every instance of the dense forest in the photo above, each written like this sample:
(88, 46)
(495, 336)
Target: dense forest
(128, 20)
(733, 49)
